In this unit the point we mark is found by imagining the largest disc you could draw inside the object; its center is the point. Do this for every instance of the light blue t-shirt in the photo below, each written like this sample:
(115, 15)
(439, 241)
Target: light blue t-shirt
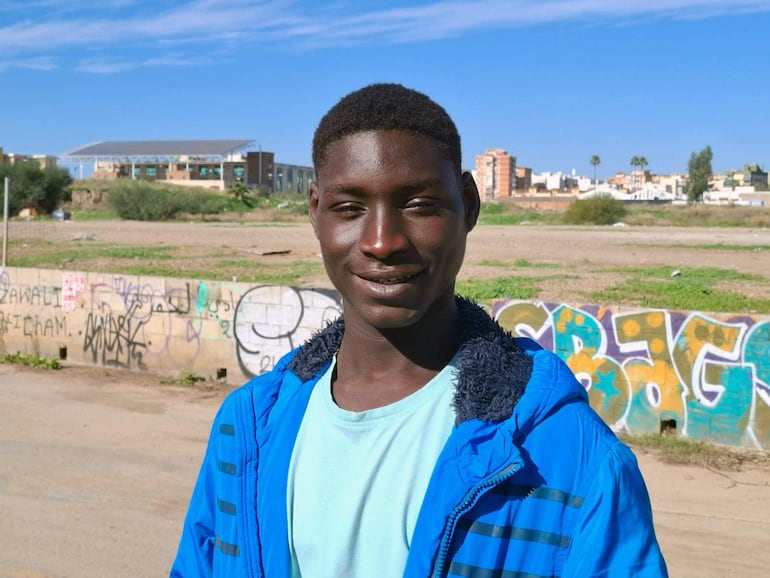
(357, 480)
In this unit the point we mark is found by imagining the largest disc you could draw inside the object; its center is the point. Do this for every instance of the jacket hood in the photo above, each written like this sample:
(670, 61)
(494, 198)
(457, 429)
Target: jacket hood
(494, 370)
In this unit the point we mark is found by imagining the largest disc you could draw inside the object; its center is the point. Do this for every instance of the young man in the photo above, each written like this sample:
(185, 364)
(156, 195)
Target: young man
(413, 437)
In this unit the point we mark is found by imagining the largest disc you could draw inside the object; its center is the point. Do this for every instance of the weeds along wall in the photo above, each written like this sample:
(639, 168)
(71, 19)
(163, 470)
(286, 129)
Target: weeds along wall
(705, 375)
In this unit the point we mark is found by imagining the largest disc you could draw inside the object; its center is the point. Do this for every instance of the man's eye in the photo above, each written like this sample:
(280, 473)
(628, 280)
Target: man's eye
(347, 209)
(422, 205)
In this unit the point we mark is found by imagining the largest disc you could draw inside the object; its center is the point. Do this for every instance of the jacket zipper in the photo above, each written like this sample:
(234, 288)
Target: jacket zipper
(468, 502)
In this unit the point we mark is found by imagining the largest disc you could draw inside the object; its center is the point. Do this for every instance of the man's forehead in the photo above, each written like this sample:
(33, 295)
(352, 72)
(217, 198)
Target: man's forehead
(365, 146)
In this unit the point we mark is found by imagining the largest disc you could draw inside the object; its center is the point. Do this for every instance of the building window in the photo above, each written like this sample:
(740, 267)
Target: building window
(151, 172)
(203, 171)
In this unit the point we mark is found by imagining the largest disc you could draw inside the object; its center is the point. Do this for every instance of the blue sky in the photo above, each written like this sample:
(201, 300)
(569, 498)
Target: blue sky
(551, 81)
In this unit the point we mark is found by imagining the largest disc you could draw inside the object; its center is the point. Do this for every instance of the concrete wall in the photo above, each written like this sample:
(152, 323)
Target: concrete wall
(707, 374)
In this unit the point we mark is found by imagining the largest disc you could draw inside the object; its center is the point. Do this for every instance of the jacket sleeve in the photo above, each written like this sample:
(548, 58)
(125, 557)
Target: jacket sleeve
(195, 556)
(614, 535)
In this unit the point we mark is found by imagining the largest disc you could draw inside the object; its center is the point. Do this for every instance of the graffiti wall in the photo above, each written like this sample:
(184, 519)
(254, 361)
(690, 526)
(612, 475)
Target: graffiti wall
(707, 375)
(171, 325)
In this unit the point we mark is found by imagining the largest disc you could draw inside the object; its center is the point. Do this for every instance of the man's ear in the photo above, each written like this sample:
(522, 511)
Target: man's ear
(471, 200)
(313, 206)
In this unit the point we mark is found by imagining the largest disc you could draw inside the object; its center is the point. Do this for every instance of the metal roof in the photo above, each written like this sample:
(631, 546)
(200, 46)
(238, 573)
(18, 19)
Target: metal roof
(160, 148)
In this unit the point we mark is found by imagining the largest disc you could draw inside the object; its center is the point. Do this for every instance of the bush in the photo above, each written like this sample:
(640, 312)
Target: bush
(143, 201)
(33, 187)
(147, 201)
(599, 210)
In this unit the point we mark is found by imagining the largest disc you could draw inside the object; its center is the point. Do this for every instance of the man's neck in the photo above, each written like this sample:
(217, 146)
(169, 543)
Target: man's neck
(381, 367)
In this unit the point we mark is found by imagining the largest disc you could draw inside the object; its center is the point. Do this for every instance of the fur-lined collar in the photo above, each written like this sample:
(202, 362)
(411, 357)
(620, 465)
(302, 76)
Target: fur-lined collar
(492, 371)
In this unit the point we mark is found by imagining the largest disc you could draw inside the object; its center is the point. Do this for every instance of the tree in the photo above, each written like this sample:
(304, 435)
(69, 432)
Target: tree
(241, 193)
(595, 161)
(699, 172)
(35, 188)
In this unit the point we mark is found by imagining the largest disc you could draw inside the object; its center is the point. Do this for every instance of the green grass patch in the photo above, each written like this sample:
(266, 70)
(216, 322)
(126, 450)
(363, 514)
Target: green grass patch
(31, 360)
(697, 215)
(692, 289)
(506, 213)
(514, 218)
(242, 270)
(485, 290)
(93, 216)
(82, 253)
(184, 378)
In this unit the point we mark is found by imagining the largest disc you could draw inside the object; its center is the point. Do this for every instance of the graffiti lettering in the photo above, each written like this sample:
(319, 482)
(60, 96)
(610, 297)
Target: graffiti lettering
(270, 321)
(112, 339)
(33, 326)
(37, 296)
(710, 375)
(37, 326)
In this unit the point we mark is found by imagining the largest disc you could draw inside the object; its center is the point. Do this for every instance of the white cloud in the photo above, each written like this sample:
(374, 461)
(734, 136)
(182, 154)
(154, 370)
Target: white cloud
(134, 28)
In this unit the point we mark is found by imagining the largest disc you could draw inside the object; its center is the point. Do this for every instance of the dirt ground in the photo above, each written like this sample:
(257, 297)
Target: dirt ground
(569, 262)
(98, 466)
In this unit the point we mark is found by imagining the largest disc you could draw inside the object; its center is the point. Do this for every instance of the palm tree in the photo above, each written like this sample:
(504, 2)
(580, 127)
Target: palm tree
(638, 162)
(642, 164)
(595, 161)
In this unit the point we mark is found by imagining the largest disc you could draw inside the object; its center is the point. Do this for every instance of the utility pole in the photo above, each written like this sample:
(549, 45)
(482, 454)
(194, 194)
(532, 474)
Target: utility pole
(5, 221)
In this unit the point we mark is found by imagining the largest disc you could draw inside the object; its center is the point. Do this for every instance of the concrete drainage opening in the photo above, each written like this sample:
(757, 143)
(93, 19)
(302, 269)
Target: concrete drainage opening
(668, 427)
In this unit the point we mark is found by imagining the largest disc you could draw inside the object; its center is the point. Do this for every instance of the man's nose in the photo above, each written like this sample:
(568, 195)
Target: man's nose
(383, 233)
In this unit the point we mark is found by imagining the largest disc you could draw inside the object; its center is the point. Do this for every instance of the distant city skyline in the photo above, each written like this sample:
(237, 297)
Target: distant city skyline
(553, 82)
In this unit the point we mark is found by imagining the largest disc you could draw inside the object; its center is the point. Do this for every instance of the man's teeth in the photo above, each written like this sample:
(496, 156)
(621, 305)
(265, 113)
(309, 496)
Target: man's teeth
(392, 280)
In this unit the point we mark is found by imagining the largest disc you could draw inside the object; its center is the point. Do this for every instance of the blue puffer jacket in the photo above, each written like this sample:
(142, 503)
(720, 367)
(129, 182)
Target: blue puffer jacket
(530, 483)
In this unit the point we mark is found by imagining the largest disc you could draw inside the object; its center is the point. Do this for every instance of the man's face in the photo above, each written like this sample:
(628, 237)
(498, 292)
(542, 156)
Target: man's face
(392, 217)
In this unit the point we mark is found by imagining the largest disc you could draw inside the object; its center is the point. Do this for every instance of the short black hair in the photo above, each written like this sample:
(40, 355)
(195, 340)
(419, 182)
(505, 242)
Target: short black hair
(386, 106)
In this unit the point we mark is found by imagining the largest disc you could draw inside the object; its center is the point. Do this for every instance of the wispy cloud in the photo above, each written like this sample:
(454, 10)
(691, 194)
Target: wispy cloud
(112, 66)
(40, 63)
(135, 28)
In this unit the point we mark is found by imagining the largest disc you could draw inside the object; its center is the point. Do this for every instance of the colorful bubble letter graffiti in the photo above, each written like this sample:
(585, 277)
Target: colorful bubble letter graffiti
(706, 375)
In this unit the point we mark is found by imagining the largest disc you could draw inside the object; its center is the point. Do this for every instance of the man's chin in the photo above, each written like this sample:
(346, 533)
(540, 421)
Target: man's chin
(388, 318)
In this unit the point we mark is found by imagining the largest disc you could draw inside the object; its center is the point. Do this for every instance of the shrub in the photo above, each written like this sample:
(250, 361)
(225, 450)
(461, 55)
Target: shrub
(599, 210)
